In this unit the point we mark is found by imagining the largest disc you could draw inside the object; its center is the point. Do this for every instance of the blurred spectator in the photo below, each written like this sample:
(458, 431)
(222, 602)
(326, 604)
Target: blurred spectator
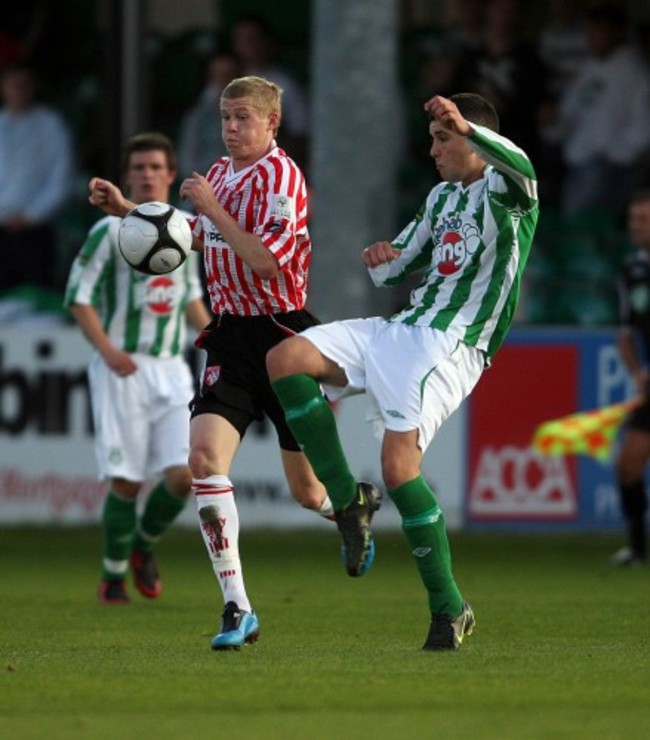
(466, 33)
(22, 31)
(435, 71)
(562, 43)
(11, 49)
(36, 178)
(562, 46)
(254, 46)
(603, 119)
(200, 142)
(507, 71)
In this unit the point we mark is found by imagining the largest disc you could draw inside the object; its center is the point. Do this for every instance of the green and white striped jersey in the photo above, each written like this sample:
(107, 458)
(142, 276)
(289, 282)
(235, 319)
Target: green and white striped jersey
(473, 243)
(140, 313)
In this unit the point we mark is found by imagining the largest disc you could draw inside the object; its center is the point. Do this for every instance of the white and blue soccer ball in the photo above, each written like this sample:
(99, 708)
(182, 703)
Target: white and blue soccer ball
(155, 238)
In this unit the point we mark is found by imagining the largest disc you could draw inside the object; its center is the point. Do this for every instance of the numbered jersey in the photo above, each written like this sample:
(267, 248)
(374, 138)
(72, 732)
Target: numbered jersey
(473, 243)
(140, 313)
(268, 199)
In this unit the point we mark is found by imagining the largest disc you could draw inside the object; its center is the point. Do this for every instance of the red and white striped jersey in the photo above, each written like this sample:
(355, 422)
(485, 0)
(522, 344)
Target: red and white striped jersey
(268, 199)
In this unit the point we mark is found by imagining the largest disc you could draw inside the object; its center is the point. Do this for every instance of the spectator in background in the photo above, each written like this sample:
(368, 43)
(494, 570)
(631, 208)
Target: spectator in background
(36, 179)
(634, 348)
(466, 32)
(508, 72)
(254, 46)
(562, 44)
(603, 117)
(200, 142)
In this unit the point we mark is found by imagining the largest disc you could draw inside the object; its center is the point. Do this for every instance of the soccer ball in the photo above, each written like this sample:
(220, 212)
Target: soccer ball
(154, 238)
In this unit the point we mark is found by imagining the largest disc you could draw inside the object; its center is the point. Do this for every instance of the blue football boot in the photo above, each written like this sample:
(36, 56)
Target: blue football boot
(238, 628)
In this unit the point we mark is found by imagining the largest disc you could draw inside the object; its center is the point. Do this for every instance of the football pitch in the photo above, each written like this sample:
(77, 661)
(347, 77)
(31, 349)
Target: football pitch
(561, 648)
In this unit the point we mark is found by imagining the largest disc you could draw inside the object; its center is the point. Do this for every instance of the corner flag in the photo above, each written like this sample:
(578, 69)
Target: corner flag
(585, 433)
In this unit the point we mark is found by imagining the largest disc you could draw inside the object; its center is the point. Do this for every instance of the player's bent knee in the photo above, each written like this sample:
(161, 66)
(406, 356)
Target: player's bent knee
(284, 359)
(396, 473)
(200, 462)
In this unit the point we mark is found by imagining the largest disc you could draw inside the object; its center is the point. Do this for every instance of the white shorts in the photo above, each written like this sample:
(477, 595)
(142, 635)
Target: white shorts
(414, 376)
(142, 421)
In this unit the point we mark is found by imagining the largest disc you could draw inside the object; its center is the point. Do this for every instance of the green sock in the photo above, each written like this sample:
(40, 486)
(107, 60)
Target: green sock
(118, 528)
(313, 424)
(161, 509)
(424, 526)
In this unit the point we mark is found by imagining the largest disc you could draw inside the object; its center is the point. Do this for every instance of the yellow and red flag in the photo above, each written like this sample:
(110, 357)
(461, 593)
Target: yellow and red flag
(585, 433)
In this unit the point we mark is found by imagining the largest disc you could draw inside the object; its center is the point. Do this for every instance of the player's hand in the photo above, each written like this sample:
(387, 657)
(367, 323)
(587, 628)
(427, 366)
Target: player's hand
(379, 253)
(107, 196)
(198, 190)
(120, 362)
(446, 111)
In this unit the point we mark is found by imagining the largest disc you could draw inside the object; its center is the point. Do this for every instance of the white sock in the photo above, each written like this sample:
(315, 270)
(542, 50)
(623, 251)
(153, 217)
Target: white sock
(219, 523)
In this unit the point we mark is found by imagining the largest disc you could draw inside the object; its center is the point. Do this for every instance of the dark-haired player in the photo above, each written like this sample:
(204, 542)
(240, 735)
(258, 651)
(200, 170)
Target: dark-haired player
(139, 380)
(471, 238)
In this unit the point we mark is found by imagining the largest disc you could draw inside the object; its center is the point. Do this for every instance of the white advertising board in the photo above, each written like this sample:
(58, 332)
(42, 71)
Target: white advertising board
(47, 462)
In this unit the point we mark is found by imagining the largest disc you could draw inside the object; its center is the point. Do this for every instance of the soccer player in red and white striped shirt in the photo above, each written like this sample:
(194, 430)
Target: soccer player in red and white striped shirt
(251, 225)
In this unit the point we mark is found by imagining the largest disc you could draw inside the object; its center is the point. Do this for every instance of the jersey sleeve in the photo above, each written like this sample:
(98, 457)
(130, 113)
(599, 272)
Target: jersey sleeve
(511, 161)
(282, 207)
(89, 266)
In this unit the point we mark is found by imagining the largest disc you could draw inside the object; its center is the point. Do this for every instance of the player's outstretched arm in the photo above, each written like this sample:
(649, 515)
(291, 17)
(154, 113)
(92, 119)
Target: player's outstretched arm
(107, 196)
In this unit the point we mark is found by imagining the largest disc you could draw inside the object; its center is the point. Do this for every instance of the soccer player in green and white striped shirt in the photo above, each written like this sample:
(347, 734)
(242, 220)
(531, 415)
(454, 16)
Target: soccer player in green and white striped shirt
(139, 381)
(471, 239)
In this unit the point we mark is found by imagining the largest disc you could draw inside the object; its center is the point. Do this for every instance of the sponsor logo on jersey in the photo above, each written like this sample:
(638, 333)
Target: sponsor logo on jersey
(455, 241)
(160, 295)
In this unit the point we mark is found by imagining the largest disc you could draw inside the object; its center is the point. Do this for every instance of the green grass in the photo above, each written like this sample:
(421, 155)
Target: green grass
(561, 648)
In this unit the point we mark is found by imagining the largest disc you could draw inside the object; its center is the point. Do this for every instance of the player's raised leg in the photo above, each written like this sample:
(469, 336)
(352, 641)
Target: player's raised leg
(292, 366)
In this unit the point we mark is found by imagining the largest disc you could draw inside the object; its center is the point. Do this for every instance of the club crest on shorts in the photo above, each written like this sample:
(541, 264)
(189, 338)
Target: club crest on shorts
(211, 375)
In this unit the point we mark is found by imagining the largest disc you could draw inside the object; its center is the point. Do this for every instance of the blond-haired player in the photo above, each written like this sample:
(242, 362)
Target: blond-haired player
(252, 227)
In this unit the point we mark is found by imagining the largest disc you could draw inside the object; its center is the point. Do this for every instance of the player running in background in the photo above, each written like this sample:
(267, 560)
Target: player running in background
(252, 226)
(472, 238)
(140, 384)
(634, 347)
